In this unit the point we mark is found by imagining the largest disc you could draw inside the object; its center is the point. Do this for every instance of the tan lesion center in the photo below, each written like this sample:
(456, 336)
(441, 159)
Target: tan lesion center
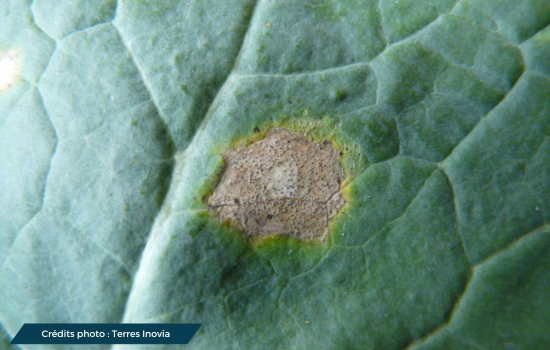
(283, 184)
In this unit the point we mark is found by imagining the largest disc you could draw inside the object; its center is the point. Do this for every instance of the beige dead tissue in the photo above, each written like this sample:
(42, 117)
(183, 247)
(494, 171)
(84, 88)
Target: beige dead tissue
(283, 184)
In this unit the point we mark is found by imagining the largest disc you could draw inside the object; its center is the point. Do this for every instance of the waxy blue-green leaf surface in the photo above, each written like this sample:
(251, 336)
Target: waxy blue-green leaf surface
(113, 132)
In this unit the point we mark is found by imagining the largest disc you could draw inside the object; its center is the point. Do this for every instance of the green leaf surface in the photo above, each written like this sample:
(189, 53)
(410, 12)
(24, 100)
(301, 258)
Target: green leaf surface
(113, 130)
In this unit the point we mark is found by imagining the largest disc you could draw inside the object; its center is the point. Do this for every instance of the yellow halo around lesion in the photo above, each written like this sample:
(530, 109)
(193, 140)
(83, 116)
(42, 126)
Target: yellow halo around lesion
(9, 69)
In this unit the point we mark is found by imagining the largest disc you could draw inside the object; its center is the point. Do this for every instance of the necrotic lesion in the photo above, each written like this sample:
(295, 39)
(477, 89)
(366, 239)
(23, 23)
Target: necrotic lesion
(283, 184)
